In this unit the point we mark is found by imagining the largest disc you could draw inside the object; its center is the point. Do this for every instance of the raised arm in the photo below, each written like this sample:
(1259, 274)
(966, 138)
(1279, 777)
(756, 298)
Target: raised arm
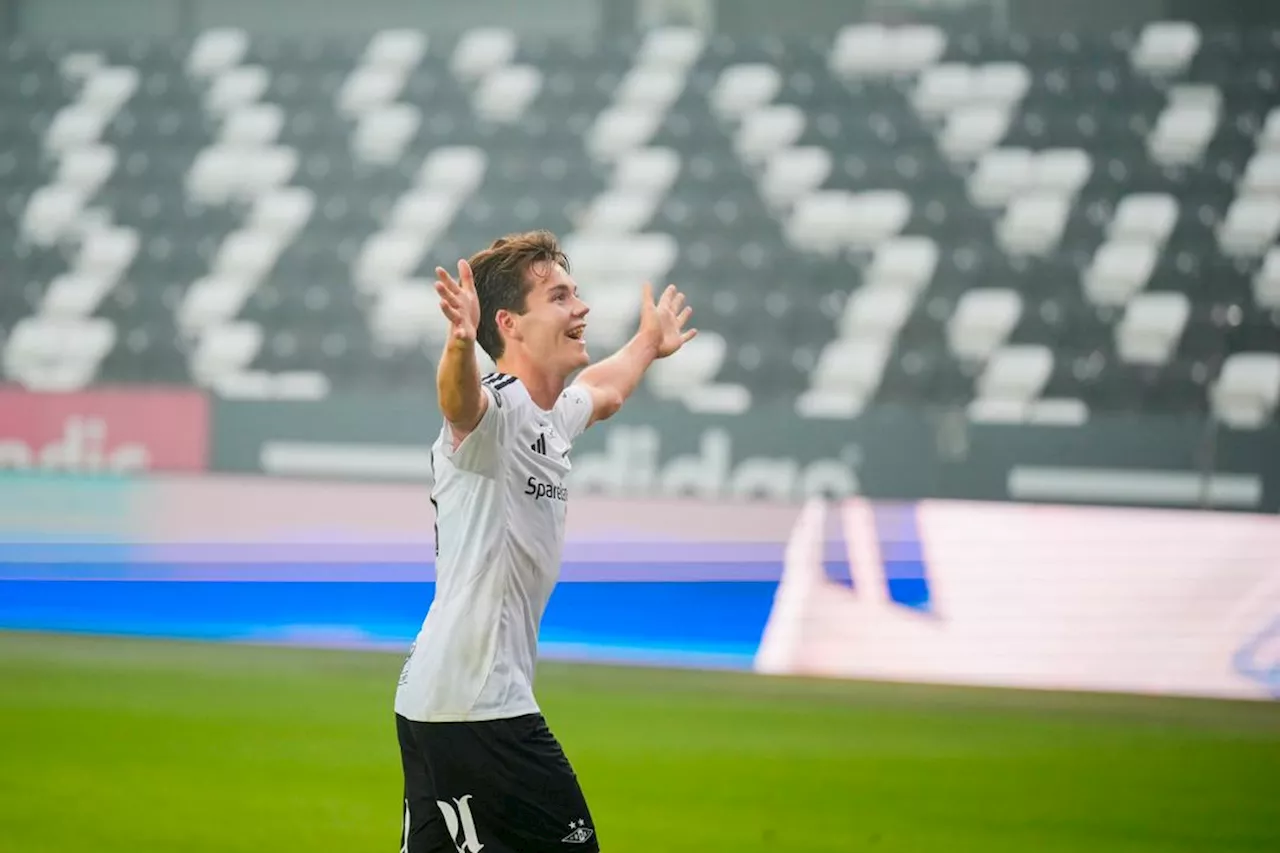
(458, 376)
(661, 333)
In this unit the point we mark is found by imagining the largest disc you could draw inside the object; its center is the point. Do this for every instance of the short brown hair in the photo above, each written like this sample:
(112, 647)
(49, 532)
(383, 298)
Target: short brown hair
(502, 280)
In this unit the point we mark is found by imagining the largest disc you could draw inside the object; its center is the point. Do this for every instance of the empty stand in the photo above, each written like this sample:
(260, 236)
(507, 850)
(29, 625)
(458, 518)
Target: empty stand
(1023, 229)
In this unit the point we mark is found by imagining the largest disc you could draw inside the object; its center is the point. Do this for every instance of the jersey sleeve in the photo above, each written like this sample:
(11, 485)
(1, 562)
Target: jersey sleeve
(481, 451)
(572, 411)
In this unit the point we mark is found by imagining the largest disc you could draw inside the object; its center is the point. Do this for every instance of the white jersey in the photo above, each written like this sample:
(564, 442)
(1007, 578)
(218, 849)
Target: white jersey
(500, 504)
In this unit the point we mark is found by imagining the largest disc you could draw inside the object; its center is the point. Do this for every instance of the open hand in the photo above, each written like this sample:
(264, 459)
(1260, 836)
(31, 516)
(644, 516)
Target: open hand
(458, 302)
(663, 322)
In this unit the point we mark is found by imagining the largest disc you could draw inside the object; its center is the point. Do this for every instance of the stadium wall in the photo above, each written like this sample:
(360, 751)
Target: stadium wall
(1159, 601)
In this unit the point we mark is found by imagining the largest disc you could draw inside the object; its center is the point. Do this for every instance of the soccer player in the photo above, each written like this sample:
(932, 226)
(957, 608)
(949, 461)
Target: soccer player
(481, 768)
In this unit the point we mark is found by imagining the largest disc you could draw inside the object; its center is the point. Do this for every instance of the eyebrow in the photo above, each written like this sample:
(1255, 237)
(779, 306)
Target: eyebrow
(561, 288)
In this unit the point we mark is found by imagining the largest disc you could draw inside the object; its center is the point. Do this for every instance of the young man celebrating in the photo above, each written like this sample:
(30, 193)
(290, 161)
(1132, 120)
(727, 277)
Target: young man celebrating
(481, 768)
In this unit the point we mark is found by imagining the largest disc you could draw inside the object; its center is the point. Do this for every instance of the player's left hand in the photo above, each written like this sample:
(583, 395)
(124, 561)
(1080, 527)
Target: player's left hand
(662, 322)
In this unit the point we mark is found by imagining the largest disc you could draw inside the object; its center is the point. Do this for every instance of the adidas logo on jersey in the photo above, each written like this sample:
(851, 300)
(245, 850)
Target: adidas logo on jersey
(540, 446)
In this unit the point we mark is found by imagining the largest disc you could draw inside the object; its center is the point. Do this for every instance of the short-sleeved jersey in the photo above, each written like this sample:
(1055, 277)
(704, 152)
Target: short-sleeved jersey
(500, 500)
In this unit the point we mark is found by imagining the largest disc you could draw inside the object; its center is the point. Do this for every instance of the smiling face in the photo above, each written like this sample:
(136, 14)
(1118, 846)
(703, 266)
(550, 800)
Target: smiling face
(552, 328)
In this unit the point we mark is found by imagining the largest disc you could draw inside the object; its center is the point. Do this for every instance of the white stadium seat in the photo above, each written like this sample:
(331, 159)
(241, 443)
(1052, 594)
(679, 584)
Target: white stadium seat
(383, 133)
(506, 93)
(657, 88)
(1151, 327)
(1266, 282)
(211, 301)
(1251, 226)
(1119, 271)
(861, 50)
(369, 88)
(1000, 84)
(1165, 48)
(408, 314)
(86, 168)
(422, 211)
(216, 50)
(74, 126)
(1033, 223)
(820, 222)
(1262, 174)
(480, 51)
(793, 172)
(283, 211)
(619, 130)
(619, 212)
(1015, 373)
(972, 130)
(982, 321)
(247, 255)
(57, 354)
(107, 89)
(700, 361)
(1183, 130)
(51, 214)
(766, 130)
(650, 170)
(1144, 218)
(845, 378)
(671, 47)
(236, 87)
(252, 125)
(876, 311)
(942, 88)
(1269, 138)
(1246, 393)
(907, 263)
(877, 216)
(395, 48)
(388, 256)
(225, 349)
(107, 251)
(744, 87)
(75, 295)
(456, 169)
(999, 175)
(1062, 171)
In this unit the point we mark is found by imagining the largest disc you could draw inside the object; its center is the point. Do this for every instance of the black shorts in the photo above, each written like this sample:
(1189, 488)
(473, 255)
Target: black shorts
(501, 785)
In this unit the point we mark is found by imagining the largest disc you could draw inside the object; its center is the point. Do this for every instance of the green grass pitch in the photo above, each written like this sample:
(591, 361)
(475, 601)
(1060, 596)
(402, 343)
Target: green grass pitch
(134, 746)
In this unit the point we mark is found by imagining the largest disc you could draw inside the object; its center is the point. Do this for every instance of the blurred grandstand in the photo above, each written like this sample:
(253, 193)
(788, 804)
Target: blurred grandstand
(1025, 227)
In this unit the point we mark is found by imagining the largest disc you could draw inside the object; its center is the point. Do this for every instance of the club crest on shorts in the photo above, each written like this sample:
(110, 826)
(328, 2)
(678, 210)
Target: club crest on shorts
(581, 833)
(461, 825)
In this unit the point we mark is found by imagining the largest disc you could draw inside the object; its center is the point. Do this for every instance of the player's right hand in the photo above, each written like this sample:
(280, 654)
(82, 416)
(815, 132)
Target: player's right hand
(459, 302)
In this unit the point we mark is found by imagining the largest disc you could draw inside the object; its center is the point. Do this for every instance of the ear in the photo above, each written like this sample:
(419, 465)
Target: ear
(508, 326)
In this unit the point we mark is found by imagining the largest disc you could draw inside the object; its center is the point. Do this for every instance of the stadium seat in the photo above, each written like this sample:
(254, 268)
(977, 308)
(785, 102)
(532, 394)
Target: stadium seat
(1144, 218)
(217, 50)
(481, 51)
(1246, 392)
(1119, 270)
(1251, 226)
(236, 87)
(1033, 223)
(791, 172)
(1266, 282)
(1165, 48)
(907, 263)
(506, 93)
(401, 49)
(1151, 327)
(744, 87)
(982, 321)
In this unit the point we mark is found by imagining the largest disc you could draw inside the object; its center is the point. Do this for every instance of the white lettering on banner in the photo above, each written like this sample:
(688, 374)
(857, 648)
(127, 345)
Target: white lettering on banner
(1080, 598)
(461, 825)
(81, 447)
(630, 463)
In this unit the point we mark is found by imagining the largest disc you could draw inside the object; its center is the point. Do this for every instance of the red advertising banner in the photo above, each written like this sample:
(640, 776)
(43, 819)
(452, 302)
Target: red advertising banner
(108, 430)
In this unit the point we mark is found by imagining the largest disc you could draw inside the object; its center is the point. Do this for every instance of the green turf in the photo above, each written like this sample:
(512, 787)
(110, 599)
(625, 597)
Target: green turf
(130, 746)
